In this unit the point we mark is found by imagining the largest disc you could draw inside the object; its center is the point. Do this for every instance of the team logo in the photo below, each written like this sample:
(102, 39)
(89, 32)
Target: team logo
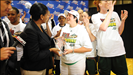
(60, 6)
(26, 20)
(50, 5)
(77, 8)
(65, 1)
(83, 3)
(85, 9)
(22, 2)
(70, 7)
(56, 13)
(75, 2)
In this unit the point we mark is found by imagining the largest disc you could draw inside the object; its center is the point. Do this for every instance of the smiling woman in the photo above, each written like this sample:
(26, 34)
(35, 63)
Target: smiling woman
(14, 16)
(7, 53)
(36, 58)
(16, 27)
(77, 43)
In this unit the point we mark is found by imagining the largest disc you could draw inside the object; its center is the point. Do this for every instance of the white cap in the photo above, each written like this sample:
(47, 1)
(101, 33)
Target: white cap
(75, 13)
(61, 15)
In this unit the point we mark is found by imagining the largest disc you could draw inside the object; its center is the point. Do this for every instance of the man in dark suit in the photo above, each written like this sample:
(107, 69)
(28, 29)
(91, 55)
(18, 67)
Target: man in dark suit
(8, 54)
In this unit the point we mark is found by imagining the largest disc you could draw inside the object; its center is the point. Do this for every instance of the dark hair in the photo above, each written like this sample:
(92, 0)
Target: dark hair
(96, 2)
(17, 11)
(38, 9)
(89, 14)
(76, 19)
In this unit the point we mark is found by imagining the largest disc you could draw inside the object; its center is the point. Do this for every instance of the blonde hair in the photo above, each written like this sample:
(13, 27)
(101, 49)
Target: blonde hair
(96, 2)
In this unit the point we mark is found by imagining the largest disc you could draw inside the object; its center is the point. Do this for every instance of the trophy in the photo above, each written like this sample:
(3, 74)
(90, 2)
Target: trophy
(60, 44)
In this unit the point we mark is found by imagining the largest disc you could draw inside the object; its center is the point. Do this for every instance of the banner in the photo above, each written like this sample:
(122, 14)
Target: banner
(54, 6)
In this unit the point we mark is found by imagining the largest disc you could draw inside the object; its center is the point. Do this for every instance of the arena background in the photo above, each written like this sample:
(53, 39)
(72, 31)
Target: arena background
(55, 6)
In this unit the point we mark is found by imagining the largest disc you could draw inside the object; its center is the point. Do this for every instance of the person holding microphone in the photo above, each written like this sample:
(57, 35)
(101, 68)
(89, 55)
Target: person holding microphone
(8, 54)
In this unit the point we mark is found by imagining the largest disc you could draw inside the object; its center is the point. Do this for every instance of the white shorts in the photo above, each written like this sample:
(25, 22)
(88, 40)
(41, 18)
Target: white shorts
(75, 69)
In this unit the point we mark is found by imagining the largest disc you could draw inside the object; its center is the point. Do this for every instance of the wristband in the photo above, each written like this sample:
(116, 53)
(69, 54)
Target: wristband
(73, 50)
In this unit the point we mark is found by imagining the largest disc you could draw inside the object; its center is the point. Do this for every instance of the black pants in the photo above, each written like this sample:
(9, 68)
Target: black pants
(57, 68)
(18, 72)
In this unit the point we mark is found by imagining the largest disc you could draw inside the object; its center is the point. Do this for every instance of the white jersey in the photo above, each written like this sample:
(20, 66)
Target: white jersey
(110, 43)
(75, 37)
(93, 52)
(16, 28)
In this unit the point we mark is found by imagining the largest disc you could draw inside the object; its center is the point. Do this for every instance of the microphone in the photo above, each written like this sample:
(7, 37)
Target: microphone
(19, 39)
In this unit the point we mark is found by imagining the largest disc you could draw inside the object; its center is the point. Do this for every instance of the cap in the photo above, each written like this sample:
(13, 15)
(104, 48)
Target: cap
(61, 15)
(75, 13)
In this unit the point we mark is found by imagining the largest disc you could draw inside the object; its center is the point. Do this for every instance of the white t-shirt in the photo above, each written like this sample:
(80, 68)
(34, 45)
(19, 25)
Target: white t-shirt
(56, 29)
(93, 31)
(78, 36)
(110, 43)
(7, 20)
(19, 47)
(54, 32)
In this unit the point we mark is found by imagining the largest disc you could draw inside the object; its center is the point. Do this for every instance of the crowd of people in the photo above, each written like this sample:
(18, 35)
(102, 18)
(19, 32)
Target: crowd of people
(84, 38)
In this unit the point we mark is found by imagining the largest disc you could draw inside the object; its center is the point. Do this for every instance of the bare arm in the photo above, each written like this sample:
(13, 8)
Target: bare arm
(92, 37)
(48, 30)
(58, 34)
(79, 50)
(23, 16)
(124, 16)
(106, 22)
(86, 24)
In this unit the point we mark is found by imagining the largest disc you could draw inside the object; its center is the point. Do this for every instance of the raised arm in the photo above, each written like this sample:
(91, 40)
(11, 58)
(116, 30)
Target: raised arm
(106, 22)
(124, 15)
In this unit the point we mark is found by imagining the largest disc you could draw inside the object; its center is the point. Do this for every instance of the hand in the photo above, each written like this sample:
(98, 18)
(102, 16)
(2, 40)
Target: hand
(47, 21)
(55, 50)
(124, 15)
(6, 52)
(52, 16)
(23, 16)
(24, 13)
(110, 5)
(86, 22)
(67, 51)
(58, 34)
